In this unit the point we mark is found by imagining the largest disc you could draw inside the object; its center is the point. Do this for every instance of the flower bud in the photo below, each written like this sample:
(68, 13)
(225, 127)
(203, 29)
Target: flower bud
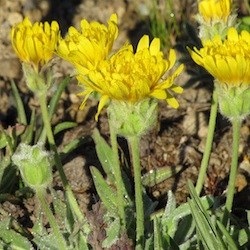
(34, 164)
(133, 119)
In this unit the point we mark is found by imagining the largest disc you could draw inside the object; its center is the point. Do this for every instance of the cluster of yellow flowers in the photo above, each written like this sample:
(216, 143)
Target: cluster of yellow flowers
(124, 76)
(226, 56)
(86, 49)
(127, 75)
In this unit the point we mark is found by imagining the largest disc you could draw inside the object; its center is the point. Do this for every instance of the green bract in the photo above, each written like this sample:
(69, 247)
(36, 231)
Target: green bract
(34, 164)
(37, 82)
(133, 119)
(234, 101)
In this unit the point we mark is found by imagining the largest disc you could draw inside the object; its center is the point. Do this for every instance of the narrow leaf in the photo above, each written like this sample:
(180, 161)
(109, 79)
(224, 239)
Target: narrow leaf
(107, 195)
(155, 176)
(112, 232)
(27, 137)
(63, 126)
(105, 155)
(12, 239)
(228, 239)
(53, 103)
(207, 231)
(19, 104)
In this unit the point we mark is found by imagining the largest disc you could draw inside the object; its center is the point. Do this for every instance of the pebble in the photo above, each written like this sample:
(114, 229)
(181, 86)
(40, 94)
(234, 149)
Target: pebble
(10, 68)
(14, 18)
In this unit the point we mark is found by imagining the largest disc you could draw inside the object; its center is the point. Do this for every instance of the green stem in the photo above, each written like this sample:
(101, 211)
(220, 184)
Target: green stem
(69, 194)
(233, 170)
(51, 219)
(118, 177)
(209, 142)
(134, 147)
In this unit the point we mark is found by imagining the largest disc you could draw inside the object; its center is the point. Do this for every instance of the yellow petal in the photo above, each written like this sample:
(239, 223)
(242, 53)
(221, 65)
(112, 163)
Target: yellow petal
(172, 102)
(155, 46)
(232, 34)
(103, 101)
(143, 43)
(159, 94)
(171, 58)
(177, 89)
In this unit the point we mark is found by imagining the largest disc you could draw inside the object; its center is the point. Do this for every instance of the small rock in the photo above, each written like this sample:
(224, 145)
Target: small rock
(10, 68)
(14, 18)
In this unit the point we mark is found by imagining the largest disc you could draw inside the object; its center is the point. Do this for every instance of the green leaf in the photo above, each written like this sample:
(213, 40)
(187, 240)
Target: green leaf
(177, 222)
(53, 103)
(8, 178)
(171, 204)
(59, 208)
(12, 239)
(156, 176)
(63, 126)
(27, 136)
(112, 232)
(149, 243)
(3, 139)
(242, 237)
(227, 237)
(158, 242)
(56, 97)
(169, 224)
(204, 225)
(19, 104)
(105, 155)
(107, 195)
(46, 242)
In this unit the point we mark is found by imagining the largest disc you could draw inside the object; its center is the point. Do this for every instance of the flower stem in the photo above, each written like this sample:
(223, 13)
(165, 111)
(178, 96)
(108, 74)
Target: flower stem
(208, 146)
(118, 176)
(51, 219)
(134, 147)
(233, 170)
(69, 194)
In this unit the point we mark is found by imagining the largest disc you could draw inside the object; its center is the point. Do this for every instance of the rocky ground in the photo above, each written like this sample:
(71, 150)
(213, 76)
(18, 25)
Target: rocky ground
(179, 138)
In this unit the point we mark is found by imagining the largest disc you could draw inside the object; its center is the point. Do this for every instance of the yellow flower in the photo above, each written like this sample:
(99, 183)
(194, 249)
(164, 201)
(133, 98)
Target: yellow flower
(229, 60)
(87, 48)
(132, 77)
(35, 44)
(212, 10)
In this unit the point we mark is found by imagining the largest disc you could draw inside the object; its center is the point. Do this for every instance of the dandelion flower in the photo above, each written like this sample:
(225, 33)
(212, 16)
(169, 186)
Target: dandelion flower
(35, 44)
(132, 77)
(229, 60)
(87, 48)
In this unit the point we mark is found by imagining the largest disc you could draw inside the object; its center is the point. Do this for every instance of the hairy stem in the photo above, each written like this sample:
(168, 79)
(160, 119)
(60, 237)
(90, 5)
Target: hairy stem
(233, 170)
(135, 154)
(46, 120)
(209, 142)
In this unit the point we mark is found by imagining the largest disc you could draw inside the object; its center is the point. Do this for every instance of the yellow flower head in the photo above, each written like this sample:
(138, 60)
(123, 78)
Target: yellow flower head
(215, 10)
(35, 44)
(132, 77)
(87, 48)
(229, 60)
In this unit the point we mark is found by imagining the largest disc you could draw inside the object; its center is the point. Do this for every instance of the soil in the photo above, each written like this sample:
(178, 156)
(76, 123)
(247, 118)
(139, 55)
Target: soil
(180, 135)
